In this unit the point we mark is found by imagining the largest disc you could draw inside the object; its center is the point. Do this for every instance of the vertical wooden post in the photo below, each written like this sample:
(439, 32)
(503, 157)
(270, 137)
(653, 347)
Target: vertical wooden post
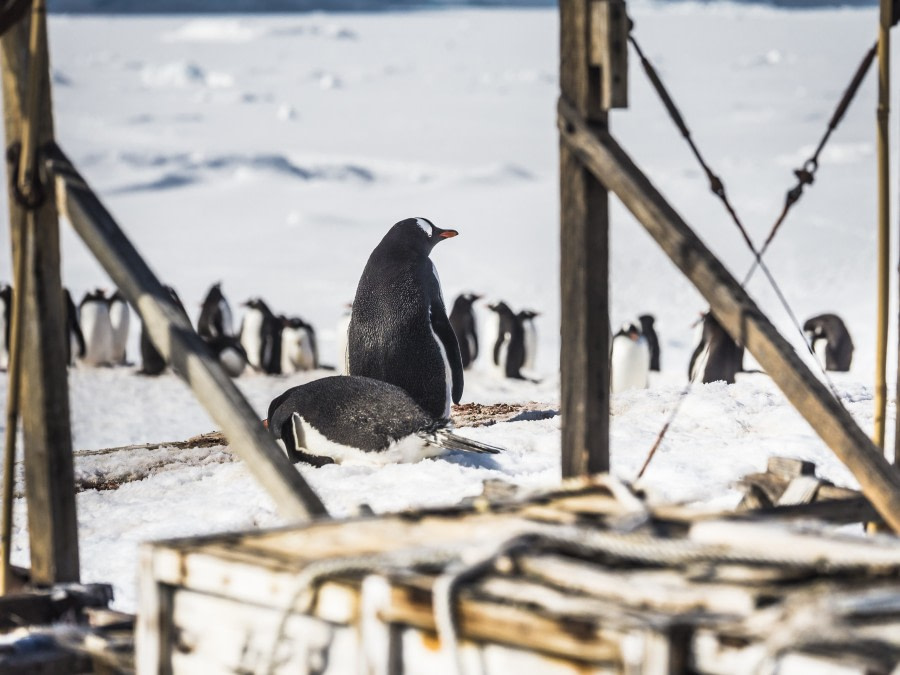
(884, 208)
(49, 474)
(592, 52)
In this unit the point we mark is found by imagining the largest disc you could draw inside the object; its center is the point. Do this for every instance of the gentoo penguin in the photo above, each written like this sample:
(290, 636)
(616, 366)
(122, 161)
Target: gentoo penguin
(649, 334)
(529, 333)
(5, 314)
(93, 317)
(343, 328)
(215, 315)
(462, 318)
(717, 357)
(119, 319)
(509, 347)
(152, 362)
(361, 420)
(75, 346)
(630, 360)
(230, 353)
(399, 331)
(830, 341)
(261, 337)
(298, 346)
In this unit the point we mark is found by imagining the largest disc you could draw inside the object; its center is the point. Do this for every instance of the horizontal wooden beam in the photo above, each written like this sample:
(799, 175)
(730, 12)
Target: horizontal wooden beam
(737, 313)
(176, 340)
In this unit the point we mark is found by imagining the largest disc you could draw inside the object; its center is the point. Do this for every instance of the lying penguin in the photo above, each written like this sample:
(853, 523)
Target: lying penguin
(347, 418)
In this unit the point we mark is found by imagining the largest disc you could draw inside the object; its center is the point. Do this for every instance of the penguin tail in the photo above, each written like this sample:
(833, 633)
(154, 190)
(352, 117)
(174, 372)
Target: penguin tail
(446, 439)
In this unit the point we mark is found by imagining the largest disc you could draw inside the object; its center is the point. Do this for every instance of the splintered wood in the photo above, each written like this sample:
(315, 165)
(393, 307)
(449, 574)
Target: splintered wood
(585, 579)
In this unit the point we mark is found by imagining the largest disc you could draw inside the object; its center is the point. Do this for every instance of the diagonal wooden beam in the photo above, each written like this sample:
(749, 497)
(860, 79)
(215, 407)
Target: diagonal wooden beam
(737, 313)
(176, 340)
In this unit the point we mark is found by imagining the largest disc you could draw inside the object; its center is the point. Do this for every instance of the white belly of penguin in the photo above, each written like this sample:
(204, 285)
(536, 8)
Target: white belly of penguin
(819, 347)
(699, 369)
(97, 331)
(530, 344)
(119, 319)
(630, 364)
(404, 450)
(448, 375)
(251, 337)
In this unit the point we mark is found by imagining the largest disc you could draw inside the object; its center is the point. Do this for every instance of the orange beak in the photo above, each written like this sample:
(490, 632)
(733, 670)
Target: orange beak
(447, 234)
(265, 424)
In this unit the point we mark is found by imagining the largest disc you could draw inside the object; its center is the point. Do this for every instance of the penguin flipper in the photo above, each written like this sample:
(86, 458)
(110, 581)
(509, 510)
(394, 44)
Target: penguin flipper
(446, 439)
(442, 328)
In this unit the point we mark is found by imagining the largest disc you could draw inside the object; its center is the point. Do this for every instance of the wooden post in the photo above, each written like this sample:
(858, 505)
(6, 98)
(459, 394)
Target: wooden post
(49, 474)
(592, 79)
(884, 215)
(737, 313)
(180, 345)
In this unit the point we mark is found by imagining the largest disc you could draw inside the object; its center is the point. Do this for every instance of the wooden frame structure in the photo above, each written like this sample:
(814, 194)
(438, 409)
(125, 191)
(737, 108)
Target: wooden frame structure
(592, 162)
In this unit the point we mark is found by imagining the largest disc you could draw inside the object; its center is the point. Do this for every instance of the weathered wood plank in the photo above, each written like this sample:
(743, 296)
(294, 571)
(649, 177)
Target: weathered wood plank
(176, 340)
(49, 473)
(737, 313)
(609, 51)
(584, 250)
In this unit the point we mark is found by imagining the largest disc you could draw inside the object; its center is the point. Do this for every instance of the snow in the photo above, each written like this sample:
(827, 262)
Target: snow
(272, 152)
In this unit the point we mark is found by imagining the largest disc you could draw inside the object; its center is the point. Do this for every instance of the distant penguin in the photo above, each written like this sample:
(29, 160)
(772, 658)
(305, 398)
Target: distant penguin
(119, 318)
(717, 357)
(509, 347)
(649, 334)
(830, 341)
(93, 317)
(630, 364)
(529, 333)
(5, 314)
(215, 315)
(298, 346)
(261, 337)
(230, 353)
(75, 347)
(342, 330)
(399, 331)
(360, 420)
(152, 362)
(462, 318)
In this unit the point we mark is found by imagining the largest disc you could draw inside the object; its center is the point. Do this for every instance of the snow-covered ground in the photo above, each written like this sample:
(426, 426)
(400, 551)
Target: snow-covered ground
(273, 152)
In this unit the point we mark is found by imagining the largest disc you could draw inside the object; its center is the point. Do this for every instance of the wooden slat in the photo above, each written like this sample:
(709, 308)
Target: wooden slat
(174, 337)
(49, 473)
(737, 313)
(584, 250)
(609, 51)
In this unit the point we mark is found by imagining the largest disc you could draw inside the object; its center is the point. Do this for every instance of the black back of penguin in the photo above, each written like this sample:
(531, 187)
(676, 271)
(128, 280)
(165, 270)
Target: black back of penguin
(75, 338)
(462, 318)
(215, 315)
(152, 362)
(649, 334)
(399, 331)
(718, 355)
(509, 347)
(839, 345)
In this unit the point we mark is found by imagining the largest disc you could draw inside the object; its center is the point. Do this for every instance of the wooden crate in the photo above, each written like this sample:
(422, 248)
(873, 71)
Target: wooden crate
(586, 579)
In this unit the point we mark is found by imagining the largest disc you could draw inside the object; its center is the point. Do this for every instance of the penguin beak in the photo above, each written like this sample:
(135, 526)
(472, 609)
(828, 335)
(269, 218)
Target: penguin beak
(447, 234)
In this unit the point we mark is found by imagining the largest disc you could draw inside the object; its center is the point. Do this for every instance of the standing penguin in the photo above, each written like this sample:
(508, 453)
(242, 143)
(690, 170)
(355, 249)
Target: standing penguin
(717, 357)
(529, 333)
(215, 315)
(152, 362)
(399, 332)
(358, 419)
(298, 346)
(830, 341)
(93, 316)
(462, 318)
(261, 337)
(649, 334)
(119, 318)
(342, 330)
(509, 347)
(630, 365)
(75, 346)
(5, 313)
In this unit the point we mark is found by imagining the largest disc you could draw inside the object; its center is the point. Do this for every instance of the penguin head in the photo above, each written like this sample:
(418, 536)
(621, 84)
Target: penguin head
(466, 299)
(501, 308)
(630, 330)
(527, 314)
(257, 304)
(418, 234)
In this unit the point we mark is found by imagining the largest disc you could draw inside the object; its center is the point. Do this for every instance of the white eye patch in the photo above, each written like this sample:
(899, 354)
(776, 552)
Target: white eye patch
(427, 228)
